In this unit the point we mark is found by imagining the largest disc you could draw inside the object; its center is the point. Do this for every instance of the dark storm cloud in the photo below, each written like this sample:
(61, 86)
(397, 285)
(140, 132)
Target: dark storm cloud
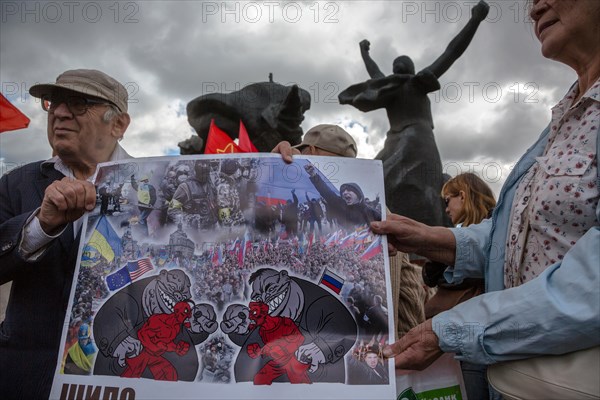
(171, 52)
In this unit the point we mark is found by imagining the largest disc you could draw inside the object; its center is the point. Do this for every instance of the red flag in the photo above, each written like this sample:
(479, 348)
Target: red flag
(248, 247)
(240, 253)
(311, 238)
(244, 140)
(218, 142)
(10, 116)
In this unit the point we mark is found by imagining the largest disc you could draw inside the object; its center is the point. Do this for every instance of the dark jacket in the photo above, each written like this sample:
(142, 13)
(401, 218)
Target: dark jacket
(348, 216)
(31, 331)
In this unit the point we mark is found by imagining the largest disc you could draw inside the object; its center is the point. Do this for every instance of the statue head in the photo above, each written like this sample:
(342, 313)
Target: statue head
(403, 65)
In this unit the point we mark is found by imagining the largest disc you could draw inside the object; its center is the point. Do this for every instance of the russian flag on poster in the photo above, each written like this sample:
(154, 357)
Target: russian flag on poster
(332, 239)
(348, 241)
(362, 234)
(332, 281)
(232, 247)
(243, 248)
(372, 250)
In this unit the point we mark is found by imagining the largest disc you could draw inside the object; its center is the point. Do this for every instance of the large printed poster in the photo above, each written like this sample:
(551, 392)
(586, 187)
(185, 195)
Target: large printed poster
(230, 277)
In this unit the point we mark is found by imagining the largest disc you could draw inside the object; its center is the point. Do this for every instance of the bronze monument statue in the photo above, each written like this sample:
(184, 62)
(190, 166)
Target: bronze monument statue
(271, 112)
(411, 162)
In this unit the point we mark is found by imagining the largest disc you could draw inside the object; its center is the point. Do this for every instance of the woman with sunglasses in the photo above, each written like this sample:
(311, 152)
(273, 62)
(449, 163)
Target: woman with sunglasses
(469, 200)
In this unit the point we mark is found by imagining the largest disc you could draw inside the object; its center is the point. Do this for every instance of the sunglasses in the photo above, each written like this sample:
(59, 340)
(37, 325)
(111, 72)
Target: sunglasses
(447, 199)
(78, 105)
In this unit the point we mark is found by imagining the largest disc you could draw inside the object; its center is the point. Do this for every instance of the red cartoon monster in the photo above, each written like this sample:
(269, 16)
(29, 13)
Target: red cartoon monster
(282, 339)
(157, 335)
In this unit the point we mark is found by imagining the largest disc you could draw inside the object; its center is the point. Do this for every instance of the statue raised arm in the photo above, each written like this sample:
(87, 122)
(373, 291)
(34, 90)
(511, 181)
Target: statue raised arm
(412, 165)
(459, 44)
(372, 68)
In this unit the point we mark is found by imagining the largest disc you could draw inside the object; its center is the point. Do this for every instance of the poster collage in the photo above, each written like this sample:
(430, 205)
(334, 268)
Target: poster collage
(229, 276)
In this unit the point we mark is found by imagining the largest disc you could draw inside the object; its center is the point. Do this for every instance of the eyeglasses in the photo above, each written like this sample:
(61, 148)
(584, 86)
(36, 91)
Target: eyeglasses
(447, 199)
(78, 105)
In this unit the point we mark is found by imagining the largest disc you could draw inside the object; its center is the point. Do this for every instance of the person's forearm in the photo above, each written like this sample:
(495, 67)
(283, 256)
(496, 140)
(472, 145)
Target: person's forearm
(438, 244)
(409, 236)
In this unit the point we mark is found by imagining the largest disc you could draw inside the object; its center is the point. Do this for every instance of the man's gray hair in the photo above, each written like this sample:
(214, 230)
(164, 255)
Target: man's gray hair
(111, 113)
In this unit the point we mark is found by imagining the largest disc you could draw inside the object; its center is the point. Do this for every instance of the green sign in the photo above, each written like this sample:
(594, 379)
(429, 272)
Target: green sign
(447, 393)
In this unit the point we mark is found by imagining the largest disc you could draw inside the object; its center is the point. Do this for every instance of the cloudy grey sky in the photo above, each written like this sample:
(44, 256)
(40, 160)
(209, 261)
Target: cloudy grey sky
(494, 101)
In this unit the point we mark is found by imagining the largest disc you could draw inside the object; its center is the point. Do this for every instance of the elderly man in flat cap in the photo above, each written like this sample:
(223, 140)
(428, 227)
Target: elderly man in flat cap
(40, 209)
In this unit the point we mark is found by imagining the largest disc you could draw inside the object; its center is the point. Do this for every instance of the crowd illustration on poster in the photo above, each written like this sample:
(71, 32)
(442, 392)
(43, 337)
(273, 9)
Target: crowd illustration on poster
(212, 270)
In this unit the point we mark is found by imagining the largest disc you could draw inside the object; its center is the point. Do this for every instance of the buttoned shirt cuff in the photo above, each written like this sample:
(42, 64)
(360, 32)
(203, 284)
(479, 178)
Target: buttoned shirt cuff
(455, 337)
(452, 274)
(465, 339)
(470, 254)
(34, 241)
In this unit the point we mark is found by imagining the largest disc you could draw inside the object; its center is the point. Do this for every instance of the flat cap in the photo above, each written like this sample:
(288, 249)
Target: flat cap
(89, 82)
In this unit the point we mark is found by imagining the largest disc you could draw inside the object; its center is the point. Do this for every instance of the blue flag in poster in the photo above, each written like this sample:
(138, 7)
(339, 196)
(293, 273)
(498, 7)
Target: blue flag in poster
(105, 240)
(274, 185)
(118, 279)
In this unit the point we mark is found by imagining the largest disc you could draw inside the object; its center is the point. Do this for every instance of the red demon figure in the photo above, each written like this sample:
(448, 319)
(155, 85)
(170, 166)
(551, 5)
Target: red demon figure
(282, 338)
(157, 335)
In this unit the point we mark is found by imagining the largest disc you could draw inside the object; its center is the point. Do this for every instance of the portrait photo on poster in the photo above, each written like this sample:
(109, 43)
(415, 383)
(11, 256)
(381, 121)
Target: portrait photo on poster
(231, 276)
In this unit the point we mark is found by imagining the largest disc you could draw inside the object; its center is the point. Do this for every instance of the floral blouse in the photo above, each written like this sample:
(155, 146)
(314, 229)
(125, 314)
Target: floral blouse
(555, 202)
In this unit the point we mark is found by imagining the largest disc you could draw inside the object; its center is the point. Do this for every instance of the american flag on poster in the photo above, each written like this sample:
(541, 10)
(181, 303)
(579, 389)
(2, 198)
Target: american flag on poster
(139, 267)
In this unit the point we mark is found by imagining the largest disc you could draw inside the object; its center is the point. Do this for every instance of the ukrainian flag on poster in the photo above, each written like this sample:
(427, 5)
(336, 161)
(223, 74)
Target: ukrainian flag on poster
(105, 240)
(90, 256)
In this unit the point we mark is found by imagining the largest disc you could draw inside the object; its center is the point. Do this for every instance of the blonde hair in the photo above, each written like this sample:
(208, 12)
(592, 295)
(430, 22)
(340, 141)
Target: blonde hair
(479, 199)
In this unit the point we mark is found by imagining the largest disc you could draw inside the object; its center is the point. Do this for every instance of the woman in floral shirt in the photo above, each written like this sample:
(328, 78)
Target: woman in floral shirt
(539, 254)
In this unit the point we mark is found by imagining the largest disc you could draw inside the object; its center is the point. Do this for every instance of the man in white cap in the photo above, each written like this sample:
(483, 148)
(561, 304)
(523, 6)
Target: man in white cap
(40, 207)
